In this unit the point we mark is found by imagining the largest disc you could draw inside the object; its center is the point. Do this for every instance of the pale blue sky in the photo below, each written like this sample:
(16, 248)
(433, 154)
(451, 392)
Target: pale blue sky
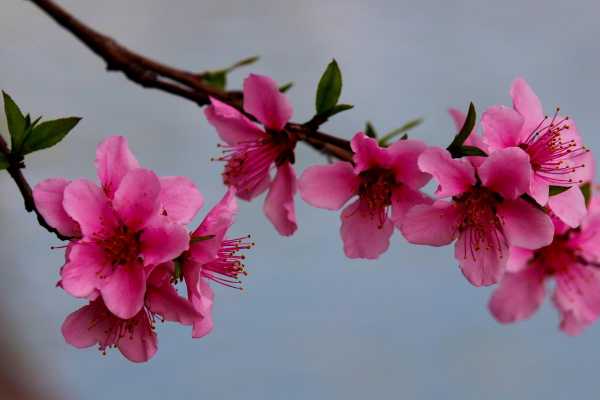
(311, 323)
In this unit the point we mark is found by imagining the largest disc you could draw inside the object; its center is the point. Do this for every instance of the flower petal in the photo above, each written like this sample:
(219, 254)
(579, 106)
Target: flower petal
(163, 241)
(83, 328)
(367, 153)
(328, 186)
(279, 204)
(86, 204)
(482, 256)
(518, 259)
(179, 198)
(525, 225)
(502, 128)
(48, 196)
(263, 99)
(434, 225)
(123, 292)
(569, 206)
(403, 199)
(231, 125)
(364, 236)
(84, 271)
(454, 176)
(526, 102)
(216, 223)
(577, 297)
(507, 172)
(136, 200)
(519, 295)
(201, 296)
(140, 345)
(113, 161)
(539, 189)
(166, 302)
(403, 156)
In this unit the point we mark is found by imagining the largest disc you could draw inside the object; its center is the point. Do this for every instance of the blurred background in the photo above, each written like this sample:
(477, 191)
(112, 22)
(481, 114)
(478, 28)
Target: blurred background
(311, 323)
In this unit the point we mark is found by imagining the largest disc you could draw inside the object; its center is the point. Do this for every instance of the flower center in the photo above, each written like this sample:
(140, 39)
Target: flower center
(557, 256)
(229, 263)
(375, 191)
(552, 151)
(121, 248)
(248, 163)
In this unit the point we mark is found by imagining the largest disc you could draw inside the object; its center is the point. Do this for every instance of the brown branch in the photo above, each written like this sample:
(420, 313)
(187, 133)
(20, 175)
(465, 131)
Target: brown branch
(14, 170)
(151, 74)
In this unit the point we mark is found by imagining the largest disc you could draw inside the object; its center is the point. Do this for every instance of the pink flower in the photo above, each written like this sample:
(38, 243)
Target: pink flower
(134, 337)
(131, 224)
(572, 259)
(213, 257)
(556, 154)
(486, 214)
(386, 181)
(250, 151)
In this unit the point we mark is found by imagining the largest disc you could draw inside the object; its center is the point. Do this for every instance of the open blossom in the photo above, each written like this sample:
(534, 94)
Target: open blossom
(485, 215)
(250, 152)
(135, 337)
(573, 260)
(121, 230)
(213, 257)
(387, 183)
(556, 153)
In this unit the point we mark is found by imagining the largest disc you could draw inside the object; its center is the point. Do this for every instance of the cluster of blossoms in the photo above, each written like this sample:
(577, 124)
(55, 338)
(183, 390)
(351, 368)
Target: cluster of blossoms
(515, 211)
(130, 247)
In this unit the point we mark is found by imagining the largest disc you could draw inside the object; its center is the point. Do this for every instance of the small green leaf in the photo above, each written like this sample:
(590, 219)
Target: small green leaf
(338, 108)
(17, 124)
(329, 89)
(3, 162)
(554, 190)
(48, 133)
(404, 137)
(242, 63)
(464, 132)
(586, 189)
(178, 270)
(197, 239)
(286, 87)
(216, 79)
(370, 130)
(413, 123)
(472, 151)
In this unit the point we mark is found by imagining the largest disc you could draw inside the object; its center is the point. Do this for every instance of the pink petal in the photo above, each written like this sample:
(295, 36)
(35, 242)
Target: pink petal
(165, 302)
(179, 198)
(48, 197)
(459, 118)
(434, 225)
(502, 128)
(539, 189)
(85, 269)
(577, 297)
(525, 225)
(123, 292)
(367, 153)
(518, 259)
(233, 127)
(163, 241)
(403, 199)
(569, 206)
(279, 204)
(201, 296)
(83, 328)
(482, 256)
(263, 99)
(141, 344)
(473, 140)
(455, 176)
(86, 204)
(519, 295)
(328, 186)
(363, 234)
(507, 172)
(216, 223)
(526, 102)
(403, 156)
(136, 200)
(113, 161)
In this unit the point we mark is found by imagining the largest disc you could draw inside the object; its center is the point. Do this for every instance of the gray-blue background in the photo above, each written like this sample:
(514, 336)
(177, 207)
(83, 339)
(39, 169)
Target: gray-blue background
(311, 323)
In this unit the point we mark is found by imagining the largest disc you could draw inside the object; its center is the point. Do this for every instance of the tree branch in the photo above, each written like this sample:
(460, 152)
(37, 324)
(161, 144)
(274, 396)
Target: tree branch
(151, 74)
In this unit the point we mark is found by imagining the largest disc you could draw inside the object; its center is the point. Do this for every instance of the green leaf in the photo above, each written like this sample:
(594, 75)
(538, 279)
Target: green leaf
(586, 189)
(216, 79)
(3, 162)
(473, 151)
(286, 87)
(329, 89)
(48, 133)
(17, 124)
(464, 132)
(197, 239)
(370, 130)
(242, 63)
(554, 190)
(338, 109)
(413, 123)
